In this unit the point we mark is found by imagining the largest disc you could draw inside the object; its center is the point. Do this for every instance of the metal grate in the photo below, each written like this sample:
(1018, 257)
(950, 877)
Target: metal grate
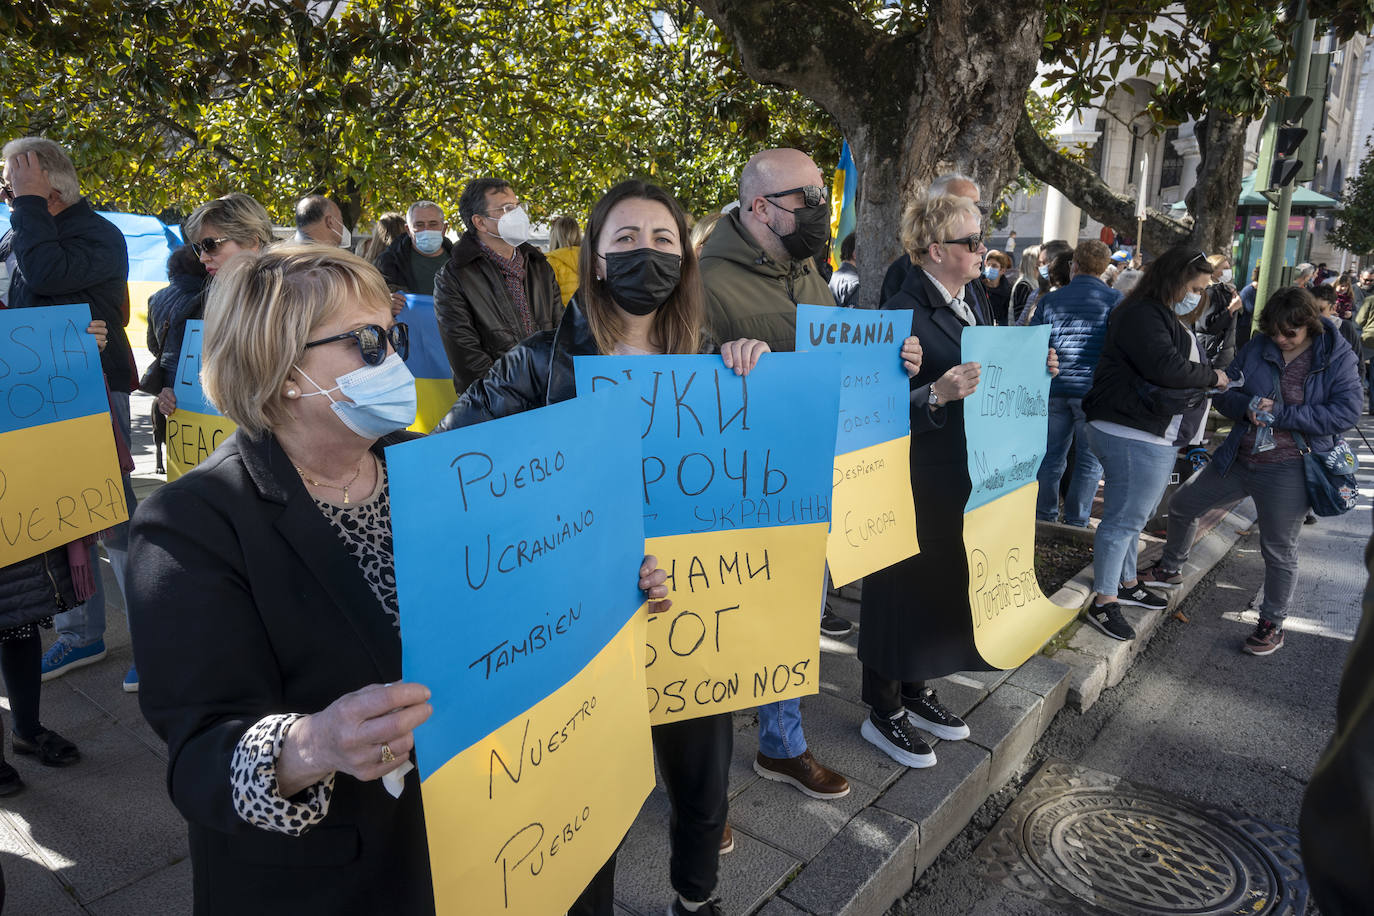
(1093, 843)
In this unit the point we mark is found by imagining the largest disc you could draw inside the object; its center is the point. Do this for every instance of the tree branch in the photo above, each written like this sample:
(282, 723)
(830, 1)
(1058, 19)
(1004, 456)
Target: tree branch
(1088, 191)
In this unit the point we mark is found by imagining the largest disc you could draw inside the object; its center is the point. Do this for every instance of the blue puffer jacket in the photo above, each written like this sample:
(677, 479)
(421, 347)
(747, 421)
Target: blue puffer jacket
(1077, 316)
(1332, 395)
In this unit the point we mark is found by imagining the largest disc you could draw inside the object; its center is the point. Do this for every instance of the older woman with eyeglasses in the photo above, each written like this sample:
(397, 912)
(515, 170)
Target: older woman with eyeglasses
(917, 625)
(218, 230)
(1304, 382)
(1152, 370)
(262, 595)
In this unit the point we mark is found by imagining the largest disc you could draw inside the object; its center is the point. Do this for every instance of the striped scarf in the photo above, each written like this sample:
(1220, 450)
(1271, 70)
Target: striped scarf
(513, 275)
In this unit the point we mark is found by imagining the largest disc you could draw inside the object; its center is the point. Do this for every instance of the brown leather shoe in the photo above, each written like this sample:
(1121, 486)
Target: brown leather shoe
(727, 840)
(804, 772)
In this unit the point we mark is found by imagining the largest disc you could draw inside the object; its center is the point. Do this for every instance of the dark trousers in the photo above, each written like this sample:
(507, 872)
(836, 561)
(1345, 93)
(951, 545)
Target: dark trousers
(694, 761)
(885, 695)
(21, 664)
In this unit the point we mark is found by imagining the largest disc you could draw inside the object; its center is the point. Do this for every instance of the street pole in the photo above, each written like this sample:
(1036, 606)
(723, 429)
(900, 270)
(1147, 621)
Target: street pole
(1276, 222)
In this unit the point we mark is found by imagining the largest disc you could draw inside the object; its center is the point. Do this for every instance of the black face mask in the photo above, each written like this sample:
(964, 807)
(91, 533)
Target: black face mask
(809, 235)
(641, 280)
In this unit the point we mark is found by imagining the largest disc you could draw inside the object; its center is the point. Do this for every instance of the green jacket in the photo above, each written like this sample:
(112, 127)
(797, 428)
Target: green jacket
(1365, 319)
(748, 294)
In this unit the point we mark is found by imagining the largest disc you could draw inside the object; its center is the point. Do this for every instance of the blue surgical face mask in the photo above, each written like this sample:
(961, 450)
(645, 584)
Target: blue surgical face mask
(428, 241)
(1044, 271)
(1189, 302)
(992, 273)
(381, 398)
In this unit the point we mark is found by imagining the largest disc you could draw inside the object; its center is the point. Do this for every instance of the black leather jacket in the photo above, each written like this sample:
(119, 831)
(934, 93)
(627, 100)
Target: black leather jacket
(538, 372)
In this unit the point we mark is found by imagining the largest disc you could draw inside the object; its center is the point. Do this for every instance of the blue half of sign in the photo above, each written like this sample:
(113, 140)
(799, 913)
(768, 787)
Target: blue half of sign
(49, 367)
(518, 544)
(1006, 420)
(874, 387)
(187, 387)
(723, 451)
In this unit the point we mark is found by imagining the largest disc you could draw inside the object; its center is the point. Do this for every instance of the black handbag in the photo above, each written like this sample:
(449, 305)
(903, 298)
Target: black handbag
(1331, 485)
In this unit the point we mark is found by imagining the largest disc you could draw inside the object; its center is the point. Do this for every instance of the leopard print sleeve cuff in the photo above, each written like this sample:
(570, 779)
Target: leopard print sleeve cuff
(253, 771)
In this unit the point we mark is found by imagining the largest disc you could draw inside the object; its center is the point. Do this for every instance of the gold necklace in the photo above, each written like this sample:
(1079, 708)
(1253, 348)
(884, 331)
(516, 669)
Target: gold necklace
(316, 483)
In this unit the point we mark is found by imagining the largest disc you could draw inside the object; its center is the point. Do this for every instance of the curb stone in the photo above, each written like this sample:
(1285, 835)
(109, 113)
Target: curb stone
(1097, 661)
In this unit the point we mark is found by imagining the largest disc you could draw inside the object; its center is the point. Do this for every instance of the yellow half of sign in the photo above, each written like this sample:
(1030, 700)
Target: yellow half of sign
(744, 626)
(872, 514)
(522, 820)
(1012, 618)
(434, 397)
(191, 437)
(58, 482)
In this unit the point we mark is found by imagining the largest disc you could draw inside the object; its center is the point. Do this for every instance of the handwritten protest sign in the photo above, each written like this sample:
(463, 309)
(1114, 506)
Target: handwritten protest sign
(59, 472)
(735, 477)
(196, 428)
(1006, 422)
(428, 362)
(517, 546)
(874, 514)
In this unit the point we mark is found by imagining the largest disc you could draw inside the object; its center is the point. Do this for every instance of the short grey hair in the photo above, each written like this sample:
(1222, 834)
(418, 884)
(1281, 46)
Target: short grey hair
(940, 186)
(1304, 269)
(422, 205)
(52, 159)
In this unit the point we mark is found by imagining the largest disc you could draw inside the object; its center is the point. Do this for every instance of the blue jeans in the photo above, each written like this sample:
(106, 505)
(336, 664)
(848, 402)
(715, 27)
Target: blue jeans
(1068, 427)
(1136, 474)
(85, 623)
(1280, 495)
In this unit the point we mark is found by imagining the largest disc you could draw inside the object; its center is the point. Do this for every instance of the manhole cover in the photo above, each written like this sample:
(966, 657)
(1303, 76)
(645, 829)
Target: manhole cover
(1097, 844)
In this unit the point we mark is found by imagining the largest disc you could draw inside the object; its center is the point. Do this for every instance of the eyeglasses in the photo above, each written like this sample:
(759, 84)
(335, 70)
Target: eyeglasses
(372, 340)
(502, 211)
(207, 246)
(974, 242)
(813, 195)
(6, 190)
(1200, 263)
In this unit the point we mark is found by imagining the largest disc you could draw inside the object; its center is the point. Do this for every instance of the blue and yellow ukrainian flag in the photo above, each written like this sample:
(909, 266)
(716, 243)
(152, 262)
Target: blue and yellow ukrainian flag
(428, 362)
(842, 192)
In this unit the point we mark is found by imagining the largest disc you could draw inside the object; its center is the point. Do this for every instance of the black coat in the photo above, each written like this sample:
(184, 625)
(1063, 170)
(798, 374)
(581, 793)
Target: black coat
(477, 320)
(77, 256)
(244, 602)
(916, 618)
(394, 264)
(38, 587)
(1145, 369)
(1216, 328)
(900, 270)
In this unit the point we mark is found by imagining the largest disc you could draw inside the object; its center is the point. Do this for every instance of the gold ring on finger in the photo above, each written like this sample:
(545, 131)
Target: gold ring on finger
(387, 756)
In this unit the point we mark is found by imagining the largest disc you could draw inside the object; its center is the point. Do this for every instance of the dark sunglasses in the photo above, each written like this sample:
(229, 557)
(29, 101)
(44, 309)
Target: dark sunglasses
(207, 246)
(972, 241)
(1286, 333)
(6, 190)
(1200, 263)
(372, 340)
(812, 194)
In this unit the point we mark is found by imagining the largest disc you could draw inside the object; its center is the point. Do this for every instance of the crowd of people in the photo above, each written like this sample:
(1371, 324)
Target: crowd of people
(281, 700)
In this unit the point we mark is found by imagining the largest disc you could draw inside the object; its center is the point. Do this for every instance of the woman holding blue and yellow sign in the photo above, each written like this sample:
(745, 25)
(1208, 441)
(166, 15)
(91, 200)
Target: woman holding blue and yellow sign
(263, 602)
(640, 294)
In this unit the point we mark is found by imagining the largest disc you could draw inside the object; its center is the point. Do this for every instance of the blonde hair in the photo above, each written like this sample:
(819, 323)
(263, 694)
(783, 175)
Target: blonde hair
(52, 159)
(260, 312)
(241, 218)
(564, 233)
(703, 229)
(928, 220)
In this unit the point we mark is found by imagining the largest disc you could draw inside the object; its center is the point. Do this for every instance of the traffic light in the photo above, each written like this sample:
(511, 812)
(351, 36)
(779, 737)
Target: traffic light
(1288, 139)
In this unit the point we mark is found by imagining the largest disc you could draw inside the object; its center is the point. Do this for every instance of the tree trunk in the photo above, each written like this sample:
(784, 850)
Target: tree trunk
(1212, 201)
(912, 106)
(1088, 191)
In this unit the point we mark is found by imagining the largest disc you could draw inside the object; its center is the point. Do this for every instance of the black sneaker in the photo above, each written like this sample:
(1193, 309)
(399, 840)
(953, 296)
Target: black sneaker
(709, 908)
(1158, 576)
(1139, 596)
(1108, 619)
(1266, 640)
(835, 626)
(925, 711)
(897, 738)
